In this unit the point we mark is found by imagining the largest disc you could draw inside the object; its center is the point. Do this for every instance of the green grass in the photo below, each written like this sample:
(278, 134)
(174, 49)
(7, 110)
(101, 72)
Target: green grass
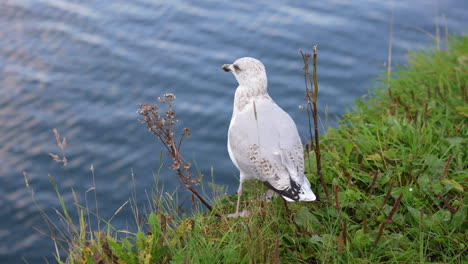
(396, 170)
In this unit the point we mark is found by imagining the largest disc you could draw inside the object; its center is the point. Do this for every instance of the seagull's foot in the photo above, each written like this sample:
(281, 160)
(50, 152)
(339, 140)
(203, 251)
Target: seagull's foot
(244, 213)
(267, 196)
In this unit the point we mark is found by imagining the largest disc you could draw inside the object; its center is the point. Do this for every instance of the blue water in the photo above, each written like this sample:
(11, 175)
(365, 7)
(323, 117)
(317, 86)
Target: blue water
(84, 66)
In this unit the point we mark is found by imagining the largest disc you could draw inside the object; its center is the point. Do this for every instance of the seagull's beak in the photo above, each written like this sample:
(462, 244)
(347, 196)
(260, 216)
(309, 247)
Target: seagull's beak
(226, 67)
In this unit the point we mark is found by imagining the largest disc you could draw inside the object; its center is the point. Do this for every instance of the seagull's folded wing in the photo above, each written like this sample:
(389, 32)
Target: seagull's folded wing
(265, 145)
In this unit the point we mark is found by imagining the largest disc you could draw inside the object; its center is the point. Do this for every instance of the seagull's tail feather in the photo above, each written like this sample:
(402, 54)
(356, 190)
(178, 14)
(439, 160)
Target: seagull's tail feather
(307, 194)
(295, 192)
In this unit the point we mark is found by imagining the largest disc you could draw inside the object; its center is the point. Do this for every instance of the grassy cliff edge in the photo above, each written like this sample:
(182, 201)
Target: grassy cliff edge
(396, 170)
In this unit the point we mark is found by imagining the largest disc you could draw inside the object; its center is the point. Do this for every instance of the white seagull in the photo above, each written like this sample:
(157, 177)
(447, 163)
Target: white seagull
(263, 141)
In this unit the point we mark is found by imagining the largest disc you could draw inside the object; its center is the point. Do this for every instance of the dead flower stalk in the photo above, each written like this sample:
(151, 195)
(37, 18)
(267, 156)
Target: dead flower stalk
(162, 125)
(62, 144)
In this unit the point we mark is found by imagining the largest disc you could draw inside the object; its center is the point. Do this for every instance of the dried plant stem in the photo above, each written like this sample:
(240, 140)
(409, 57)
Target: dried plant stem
(387, 196)
(374, 181)
(317, 145)
(175, 152)
(437, 25)
(277, 258)
(447, 204)
(340, 242)
(311, 96)
(390, 45)
(447, 164)
(95, 197)
(308, 108)
(191, 189)
(162, 125)
(389, 218)
(337, 201)
(318, 157)
(341, 236)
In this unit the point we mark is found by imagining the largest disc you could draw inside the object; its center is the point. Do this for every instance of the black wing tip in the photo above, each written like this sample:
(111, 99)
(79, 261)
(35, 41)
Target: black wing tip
(291, 192)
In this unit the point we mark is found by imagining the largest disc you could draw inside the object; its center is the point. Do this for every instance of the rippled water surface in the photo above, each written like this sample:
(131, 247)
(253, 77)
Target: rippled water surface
(84, 66)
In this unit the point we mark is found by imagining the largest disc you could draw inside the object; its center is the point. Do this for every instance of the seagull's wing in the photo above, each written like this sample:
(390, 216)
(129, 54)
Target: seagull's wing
(264, 144)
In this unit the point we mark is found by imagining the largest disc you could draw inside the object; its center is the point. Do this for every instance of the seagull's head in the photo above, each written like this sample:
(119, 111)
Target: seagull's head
(249, 72)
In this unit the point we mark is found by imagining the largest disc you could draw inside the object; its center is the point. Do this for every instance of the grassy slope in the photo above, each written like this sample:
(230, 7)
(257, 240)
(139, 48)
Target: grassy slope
(404, 149)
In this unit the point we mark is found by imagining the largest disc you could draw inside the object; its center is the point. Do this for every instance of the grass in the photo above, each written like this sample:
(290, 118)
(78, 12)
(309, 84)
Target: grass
(396, 170)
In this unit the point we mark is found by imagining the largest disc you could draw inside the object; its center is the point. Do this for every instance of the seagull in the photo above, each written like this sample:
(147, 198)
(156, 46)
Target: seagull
(263, 142)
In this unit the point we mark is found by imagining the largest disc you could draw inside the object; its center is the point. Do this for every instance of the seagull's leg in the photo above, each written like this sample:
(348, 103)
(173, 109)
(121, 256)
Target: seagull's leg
(239, 194)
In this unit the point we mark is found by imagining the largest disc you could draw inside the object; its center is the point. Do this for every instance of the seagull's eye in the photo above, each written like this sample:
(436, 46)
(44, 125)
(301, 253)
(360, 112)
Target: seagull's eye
(236, 67)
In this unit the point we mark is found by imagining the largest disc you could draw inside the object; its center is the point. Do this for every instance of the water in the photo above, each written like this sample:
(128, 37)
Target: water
(84, 66)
